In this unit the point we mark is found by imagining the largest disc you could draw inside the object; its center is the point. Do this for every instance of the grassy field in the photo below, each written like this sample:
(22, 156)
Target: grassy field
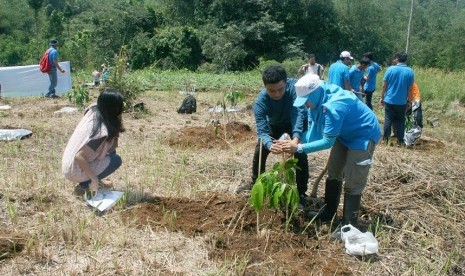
(180, 215)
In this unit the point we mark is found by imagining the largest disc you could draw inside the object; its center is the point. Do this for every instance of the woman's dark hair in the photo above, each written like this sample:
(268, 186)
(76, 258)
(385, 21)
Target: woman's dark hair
(108, 111)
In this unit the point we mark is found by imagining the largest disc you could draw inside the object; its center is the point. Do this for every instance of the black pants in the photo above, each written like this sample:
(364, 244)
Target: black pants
(302, 175)
(368, 98)
(394, 115)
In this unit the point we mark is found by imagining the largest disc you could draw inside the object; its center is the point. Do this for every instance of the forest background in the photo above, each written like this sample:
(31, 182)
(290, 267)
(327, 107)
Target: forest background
(233, 35)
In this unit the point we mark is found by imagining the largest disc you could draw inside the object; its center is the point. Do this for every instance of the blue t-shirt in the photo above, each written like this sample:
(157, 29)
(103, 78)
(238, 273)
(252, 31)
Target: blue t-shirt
(399, 78)
(282, 113)
(355, 77)
(52, 55)
(348, 119)
(338, 74)
(372, 71)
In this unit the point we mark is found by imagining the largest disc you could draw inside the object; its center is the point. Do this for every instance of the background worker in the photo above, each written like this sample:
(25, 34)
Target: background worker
(275, 115)
(370, 79)
(398, 82)
(339, 71)
(415, 107)
(356, 74)
(52, 74)
(351, 130)
(312, 67)
(96, 77)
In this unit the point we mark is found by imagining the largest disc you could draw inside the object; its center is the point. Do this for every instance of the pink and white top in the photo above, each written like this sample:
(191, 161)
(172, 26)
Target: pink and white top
(98, 160)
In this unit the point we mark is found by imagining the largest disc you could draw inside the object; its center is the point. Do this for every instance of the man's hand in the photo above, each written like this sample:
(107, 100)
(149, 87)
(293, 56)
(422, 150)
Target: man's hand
(62, 71)
(289, 146)
(276, 147)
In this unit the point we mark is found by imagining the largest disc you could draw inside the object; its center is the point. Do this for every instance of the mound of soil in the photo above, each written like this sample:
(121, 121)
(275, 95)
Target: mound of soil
(10, 245)
(231, 227)
(426, 144)
(212, 136)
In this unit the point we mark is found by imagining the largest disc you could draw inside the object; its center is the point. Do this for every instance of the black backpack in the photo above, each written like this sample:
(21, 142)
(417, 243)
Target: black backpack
(188, 106)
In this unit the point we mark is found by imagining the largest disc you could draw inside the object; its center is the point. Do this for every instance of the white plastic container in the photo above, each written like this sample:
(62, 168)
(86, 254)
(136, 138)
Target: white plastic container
(358, 243)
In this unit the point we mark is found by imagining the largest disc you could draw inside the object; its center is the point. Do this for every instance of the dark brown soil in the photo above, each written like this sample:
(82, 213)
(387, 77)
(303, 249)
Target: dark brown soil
(10, 245)
(212, 136)
(230, 225)
(426, 144)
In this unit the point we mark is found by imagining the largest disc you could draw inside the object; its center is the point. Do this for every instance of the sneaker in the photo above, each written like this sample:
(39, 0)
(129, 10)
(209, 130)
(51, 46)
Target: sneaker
(51, 96)
(244, 187)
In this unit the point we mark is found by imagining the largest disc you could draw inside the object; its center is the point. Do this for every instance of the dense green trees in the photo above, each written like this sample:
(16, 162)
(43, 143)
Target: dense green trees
(229, 35)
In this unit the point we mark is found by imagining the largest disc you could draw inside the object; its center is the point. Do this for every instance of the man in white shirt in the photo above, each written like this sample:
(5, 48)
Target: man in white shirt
(312, 67)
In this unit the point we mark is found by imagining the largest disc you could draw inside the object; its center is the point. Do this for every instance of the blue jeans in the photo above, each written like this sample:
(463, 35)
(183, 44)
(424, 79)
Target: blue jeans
(394, 114)
(52, 75)
(115, 163)
(368, 98)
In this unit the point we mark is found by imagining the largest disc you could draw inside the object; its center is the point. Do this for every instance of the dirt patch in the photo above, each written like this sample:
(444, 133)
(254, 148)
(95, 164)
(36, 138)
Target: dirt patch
(212, 136)
(11, 245)
(428, 144)
(231, 226)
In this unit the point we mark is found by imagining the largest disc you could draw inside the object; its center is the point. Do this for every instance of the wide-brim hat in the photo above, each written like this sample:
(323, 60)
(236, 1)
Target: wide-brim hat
(53, 42)
(305, 86)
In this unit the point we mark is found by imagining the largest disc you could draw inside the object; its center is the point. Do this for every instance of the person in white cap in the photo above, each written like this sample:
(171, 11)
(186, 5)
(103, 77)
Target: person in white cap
(338, 73)
(346, 125)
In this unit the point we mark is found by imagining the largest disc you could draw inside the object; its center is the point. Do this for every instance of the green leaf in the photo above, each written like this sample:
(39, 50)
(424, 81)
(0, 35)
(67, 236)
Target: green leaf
(276, 194)
(290, 177)
(290, 164)
(295, 199)
(257, 196)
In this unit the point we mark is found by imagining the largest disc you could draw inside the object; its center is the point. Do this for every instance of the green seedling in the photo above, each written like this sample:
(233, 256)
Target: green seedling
(276, 189)
(12, 213)
(79, 96)
(233, 97)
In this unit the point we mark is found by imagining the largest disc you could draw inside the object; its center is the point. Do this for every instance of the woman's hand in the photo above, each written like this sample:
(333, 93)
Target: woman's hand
(289, 146)
(93, 186)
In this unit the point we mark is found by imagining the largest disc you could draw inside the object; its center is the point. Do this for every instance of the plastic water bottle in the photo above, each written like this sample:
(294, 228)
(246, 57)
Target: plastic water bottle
(285, 136)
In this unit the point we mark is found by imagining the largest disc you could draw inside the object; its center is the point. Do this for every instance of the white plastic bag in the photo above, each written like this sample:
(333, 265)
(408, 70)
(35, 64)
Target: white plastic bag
(358, 243)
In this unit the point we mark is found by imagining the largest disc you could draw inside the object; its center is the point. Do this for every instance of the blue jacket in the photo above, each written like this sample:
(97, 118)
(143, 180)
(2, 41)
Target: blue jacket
(282, 113)
(344, 117)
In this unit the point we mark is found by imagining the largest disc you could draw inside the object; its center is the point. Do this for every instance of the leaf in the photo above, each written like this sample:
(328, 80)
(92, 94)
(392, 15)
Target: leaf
(290, 176)
(290, 164)
(276, 194)
(257, 196)
(295, 199)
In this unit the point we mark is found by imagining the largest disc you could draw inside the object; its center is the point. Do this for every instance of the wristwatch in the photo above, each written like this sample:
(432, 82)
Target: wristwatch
(300, 148)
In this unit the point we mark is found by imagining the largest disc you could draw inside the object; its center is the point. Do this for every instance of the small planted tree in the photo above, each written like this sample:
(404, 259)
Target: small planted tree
(79, 96)
(276, 189)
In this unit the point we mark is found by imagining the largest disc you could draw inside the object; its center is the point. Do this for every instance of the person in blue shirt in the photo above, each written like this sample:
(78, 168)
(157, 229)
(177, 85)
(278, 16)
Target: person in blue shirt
(275, 115)
(346, 125)
(52, 74)
(370, 79)
(397, 85)
(338, 73)
(356, 73)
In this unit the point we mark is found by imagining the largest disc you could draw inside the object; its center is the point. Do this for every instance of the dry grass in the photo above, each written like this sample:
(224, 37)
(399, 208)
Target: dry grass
(416, 196)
